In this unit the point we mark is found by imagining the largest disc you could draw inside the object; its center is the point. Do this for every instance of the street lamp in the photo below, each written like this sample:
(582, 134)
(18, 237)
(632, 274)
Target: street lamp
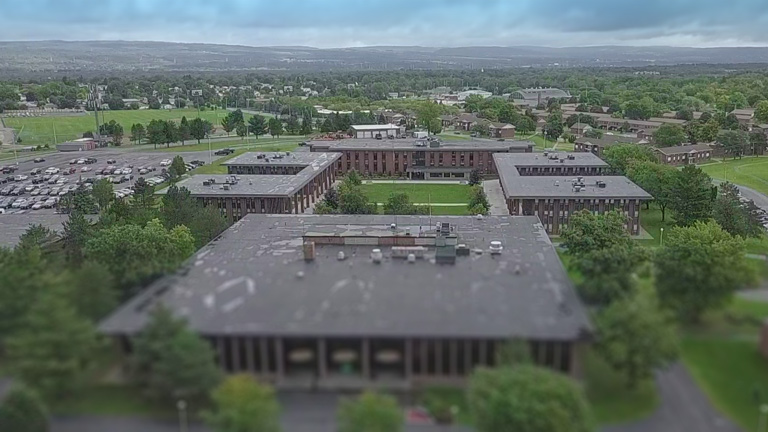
(661, 237)
(182, 407)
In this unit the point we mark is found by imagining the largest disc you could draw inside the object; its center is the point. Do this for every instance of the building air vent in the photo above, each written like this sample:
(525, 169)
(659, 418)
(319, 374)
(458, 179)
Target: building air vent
(225, 187)
(601, 184)
(562, 160)
(462, 250)
(340, 256)
(411, 258)
(571, 157)
(496, 247)
(376, 256)
(405, 251)
(309, 251)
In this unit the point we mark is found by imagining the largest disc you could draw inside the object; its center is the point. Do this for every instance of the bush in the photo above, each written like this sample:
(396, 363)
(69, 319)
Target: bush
(23, 411)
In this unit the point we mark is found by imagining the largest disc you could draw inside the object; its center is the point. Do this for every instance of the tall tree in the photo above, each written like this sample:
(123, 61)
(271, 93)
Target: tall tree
(241, 130)
(243, 404)
(170, 132)
(172, 361)
(228, 124)
(370, 412)
(77, 230)
(657, 180)
(177, 168)
(275, 127)
(620, 156)
(635, 337)
(734, 142)
(45, 360)
(22, 410)
(138, 133)
(156, 132)
(90, 289)
(609, 273)
(735, 217)
(199, 128)
(103, 193)
(258, 125)
(691, 193)
(588, 232)
(400, 204)
(184, 130)
(761, 112)
(527, 398)
(699, 268)
(758, 142)
(306, 126)
(668, 135)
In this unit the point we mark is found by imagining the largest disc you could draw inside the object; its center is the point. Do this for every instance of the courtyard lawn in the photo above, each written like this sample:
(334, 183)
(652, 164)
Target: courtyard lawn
(217, 168)
(749, 171)
(419, 192)
(447, 136)
(51, 130)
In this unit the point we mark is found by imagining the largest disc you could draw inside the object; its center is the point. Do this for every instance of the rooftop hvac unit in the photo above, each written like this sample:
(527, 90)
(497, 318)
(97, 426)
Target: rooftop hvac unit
(571, 157)
(462, 250)
(206, 183)
(546, 153)
(601, 184)
(562, 160)
(553, 156)
(376, 256)
(404, 251)
(225, 187)
(496, 247)
(577, 188)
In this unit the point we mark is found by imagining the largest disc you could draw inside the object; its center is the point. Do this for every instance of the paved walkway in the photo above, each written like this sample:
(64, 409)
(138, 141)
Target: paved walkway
(495, 197)
(683, 407)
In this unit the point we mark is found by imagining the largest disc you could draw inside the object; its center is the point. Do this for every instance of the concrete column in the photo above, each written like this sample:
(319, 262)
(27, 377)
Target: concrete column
(557, 350)
(264, 356)
(439, 357)
(322, 366)
(408, 358)
(279, 361)
(542, 355)
(295, 204)
(249, 355)
(423, 356)
(301, 197)
(306, 194)
(366, 358)
(235, 350)
(221, 353)
(454, 353)
(484, 352)
(577, 359)
(468, 357)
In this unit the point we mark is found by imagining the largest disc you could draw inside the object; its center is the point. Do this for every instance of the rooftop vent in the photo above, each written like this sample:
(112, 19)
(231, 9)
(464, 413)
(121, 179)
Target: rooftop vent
(225, 187)
(377, 256)
(601, 184)
(309, 251)
(572, 157)
(576, 188)
(546, 153)
(206, 183)
(562, 160)
(411, 258)
(496, 247)
(462, 250)
(393, 226)
(340, 256)
(405, 251)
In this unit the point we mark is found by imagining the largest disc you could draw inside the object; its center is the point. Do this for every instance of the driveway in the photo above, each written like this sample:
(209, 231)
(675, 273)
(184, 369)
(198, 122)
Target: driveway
(760, 199)
(683, 407)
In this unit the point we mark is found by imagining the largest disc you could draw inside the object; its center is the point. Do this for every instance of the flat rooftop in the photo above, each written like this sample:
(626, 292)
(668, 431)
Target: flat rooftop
(253, 280)
(410, 144)
(300, 158)
(260, 185)
(547, 186)
(549, 158)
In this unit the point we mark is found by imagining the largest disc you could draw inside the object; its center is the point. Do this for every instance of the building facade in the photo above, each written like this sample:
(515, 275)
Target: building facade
(684, 154)
(336, 302)
(555, 186)
(418, 159)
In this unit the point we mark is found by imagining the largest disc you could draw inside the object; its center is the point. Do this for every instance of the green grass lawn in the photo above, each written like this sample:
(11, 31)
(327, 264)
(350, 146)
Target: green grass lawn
(235, 143)
(749, 171)
(217, 168)
(111, 400)
(455, 137)
(50, 130)
(419, 192)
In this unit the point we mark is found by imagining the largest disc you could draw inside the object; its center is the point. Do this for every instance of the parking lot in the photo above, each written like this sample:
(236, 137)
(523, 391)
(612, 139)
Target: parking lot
(36, 185)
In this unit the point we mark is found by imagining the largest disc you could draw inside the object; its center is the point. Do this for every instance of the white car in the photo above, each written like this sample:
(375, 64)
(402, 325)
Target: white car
(127, 170)
(52, 170)
(30, 188)
(50, 202)
(18, 203)
(61, 181)
(37, 206)
(165, 162)
(80, 161)
(85, 169)
(20, 178)
(118, 171)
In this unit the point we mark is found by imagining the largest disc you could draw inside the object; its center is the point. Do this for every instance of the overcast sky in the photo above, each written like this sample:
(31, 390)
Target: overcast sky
(345, 23)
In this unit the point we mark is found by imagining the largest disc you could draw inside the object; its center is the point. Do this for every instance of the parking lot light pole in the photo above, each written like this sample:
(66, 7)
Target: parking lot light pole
(661, 237)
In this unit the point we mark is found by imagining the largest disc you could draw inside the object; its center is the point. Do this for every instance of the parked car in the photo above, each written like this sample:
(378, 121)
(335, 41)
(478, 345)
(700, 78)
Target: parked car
(37, 206)
(167, 162)
(38, 160)
(18, 203)
(53, 179)
(6, 190)
(90, 160)
(223, 152)
(19, 178)
(72, 161)
(36, 171)
(85, 169)
(30, 188)
(111, 161)
(49, 203)
(52, 170)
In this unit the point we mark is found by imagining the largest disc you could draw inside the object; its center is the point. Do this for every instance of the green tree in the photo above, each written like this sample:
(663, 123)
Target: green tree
(621, 156)
(527, 398)
(185, 132)
(481, 129)
(241, 130)
(668, 135)
(258, 125)
(45, 360)
(352, 199)
(428, 116)
(243, 404)
(177, 168)
(370, 412)
(589, 232)
(472, 103)
(734, 142)
(691, 196)
(400, 204)
(138, 133)
(228, 123)
(77, 230)
(170, 132)
(699, 268)
(171, 361)
(199, 128)
(657, 180)
(306, 126)
(103, 192)
(609, 273)
(275, 127)
(554, 126)
(735, 217)
(207, 224)
(709, 130)
(475, 177)
(525, 125)
(22, 410)
(758, 142)
(635, 337)
(156, 132)
(761, 112)
(90, 289)
(135, 254)
(292, 126)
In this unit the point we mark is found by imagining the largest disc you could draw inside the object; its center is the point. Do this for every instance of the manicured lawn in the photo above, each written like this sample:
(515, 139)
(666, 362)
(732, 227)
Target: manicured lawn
(50, 130)
(758, 245)
(217, 168)
(419, 192)
(730, 371)
(111, 400)
(612, 402)
(454, 137)
(650, 220)
(749, 171)
(235, 143)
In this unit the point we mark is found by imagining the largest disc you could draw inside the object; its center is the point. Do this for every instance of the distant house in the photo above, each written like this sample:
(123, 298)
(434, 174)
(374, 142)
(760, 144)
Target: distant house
(532, 97)
(466, 121)
(580, 128)
(501, 130)
(596, 146)
(447, 120)
(684, 154)
(128, 102)
(376, 131)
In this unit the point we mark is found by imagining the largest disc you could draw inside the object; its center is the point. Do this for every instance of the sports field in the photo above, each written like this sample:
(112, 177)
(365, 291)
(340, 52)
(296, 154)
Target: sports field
(749, 171)
(55, 129)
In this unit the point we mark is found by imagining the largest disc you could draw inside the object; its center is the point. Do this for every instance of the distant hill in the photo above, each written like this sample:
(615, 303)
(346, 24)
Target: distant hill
(88, 57)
